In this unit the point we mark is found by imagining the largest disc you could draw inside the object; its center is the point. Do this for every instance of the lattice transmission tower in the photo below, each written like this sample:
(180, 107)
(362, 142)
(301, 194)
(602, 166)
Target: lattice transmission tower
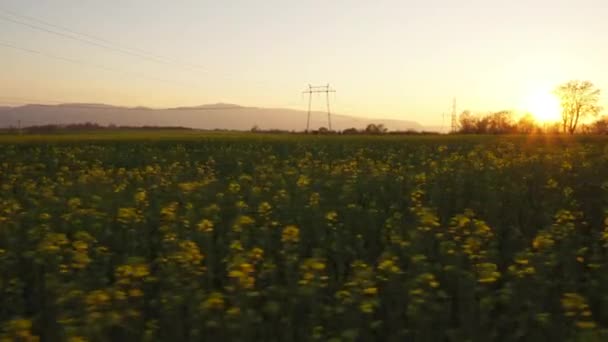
(318, 90)
(454, 127)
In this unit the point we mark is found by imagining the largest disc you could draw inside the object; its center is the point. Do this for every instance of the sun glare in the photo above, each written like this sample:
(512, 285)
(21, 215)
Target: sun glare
(545, 107)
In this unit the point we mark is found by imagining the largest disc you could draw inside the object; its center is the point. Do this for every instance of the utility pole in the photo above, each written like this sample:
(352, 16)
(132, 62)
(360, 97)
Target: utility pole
(317, 90)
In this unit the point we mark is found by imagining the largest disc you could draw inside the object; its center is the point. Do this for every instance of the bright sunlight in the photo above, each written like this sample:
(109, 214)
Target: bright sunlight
(545, 107)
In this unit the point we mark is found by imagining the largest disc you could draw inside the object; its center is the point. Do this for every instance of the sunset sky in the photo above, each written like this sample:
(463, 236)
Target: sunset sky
(386, 58)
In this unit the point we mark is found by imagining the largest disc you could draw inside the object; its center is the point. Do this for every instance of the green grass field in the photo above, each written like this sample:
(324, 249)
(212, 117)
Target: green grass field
(188, 236)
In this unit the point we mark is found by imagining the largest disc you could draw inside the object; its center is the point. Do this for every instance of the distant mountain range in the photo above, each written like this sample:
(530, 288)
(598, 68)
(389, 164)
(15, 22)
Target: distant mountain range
(214, 116)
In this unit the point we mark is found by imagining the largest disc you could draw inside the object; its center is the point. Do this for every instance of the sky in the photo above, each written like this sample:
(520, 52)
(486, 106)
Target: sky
(397, 59)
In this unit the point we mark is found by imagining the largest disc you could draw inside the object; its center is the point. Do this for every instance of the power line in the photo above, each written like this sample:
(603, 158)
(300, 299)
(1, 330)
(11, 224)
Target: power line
(102, 43)
(84, 40)
(81, 63)
(86, 35)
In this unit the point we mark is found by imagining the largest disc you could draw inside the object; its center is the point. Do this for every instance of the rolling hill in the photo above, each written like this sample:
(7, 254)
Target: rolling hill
(215, 116)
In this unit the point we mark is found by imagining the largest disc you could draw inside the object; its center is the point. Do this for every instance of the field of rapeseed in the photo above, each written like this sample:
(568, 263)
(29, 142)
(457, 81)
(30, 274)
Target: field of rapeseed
(297, 238)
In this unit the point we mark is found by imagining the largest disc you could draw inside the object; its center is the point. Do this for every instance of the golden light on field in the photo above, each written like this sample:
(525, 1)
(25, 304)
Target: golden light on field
(545, 107)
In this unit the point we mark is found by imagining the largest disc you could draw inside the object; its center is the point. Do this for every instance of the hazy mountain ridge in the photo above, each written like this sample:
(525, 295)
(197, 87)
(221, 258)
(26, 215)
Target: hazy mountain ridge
(211, 116)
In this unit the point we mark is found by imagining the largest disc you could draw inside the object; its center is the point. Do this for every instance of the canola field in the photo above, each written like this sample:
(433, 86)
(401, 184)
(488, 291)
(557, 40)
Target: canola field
(227, 237)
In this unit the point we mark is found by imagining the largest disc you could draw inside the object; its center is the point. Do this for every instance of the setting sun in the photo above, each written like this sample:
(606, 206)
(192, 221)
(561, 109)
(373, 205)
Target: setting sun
(544, 107)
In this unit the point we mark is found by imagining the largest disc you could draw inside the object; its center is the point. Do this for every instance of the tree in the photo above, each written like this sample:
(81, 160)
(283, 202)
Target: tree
(499, 122)
(526, 124)
(468, 122)
(600, 126)
(578, 99)
(323, 130)
(350, 131)
(375, 129)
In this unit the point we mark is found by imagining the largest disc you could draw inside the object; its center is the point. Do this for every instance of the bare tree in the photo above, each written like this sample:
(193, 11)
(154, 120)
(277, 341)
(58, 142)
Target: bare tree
(579, 99)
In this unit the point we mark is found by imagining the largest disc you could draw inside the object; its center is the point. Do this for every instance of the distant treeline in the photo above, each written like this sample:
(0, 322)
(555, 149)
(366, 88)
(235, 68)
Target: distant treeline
(503, 122)
(87, 126)
(371, 129)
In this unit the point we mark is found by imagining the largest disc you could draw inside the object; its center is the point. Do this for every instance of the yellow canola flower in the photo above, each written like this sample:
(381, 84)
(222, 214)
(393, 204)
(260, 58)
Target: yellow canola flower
(234, 311)
(234, 187)
(314, 199)
(291, 234)
(389, 265)
(135, 293)
(80, 246)
(18, 330)
(205, 226)
(246, 267)
(264, 208)
(236, 274)
(187, 187)
(487, 272)
(331, 216)
(97, 298)
(141, 270)
(573, 303)
(371, 291)
(168, 212)
(585, 324)
(366, 307)
(53, 242)
(128, 215)
(542, 241)
(303, 181)
(140, 196)
(256, 254)
(215, 301)
(317, 265)
(245, 220)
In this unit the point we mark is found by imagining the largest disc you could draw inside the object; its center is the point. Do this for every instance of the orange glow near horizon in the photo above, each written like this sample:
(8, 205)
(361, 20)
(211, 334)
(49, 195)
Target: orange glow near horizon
(544, 107)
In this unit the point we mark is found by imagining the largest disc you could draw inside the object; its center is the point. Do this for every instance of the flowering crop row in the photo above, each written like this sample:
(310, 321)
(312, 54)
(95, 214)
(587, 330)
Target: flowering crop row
(297, 239)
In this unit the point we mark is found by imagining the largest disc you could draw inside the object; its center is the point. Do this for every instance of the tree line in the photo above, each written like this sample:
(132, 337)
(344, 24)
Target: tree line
(579, 100)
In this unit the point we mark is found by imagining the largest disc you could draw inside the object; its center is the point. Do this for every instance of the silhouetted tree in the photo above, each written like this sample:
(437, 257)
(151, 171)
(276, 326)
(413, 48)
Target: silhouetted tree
(468, 122)
(350, 131)
(600, 126)
(578, 100)
(500, 122)
(496, 123)
(526, 124)
(375, 129)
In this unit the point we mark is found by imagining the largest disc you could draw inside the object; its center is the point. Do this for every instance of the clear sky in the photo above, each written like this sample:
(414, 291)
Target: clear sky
(386, 58)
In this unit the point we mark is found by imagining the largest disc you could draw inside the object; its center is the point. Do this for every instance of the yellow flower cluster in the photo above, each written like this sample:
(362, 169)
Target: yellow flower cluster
(576, 307)
(290, 234)
(312, 273)
(18, 330)
(205, 226)
(243, 275)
